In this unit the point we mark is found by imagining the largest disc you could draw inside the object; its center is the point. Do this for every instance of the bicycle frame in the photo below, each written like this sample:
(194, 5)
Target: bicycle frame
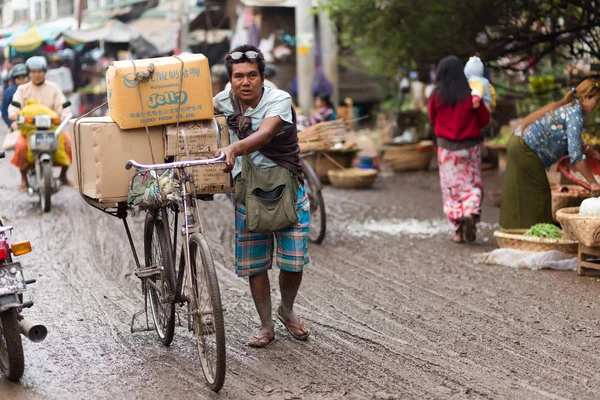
(192, 221)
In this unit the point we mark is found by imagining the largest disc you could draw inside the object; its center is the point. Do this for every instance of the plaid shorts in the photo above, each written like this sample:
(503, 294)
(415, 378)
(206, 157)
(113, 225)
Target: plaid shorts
(254, 251)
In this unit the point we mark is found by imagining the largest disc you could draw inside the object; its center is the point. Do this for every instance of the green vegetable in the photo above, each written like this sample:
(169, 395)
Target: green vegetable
(548, 231)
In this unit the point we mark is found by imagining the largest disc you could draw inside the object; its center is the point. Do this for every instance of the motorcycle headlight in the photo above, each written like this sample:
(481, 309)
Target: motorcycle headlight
(43, 121)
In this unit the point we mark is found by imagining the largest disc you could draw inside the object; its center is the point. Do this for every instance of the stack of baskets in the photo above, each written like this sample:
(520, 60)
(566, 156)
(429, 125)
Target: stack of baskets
(321, 136)
(408, 157)
(515, 239)
(567, 196)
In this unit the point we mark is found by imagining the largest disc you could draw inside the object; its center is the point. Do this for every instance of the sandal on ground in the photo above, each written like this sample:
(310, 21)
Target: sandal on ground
(299, 330)
(469, 229)
(263, 339)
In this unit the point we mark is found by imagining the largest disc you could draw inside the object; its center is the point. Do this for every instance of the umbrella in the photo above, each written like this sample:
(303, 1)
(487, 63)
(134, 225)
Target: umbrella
(28, 41)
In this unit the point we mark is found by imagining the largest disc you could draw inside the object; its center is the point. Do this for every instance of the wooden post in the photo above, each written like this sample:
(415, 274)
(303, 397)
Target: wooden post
(305, 55)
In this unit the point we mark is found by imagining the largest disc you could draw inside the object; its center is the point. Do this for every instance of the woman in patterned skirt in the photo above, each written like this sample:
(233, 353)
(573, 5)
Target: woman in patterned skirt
(540, 140)
(458, 129)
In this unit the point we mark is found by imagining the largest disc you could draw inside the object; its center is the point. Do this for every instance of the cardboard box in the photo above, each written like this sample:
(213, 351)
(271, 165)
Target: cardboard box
(101, 150)
(163, 95)
(209, 179)
(201, 137)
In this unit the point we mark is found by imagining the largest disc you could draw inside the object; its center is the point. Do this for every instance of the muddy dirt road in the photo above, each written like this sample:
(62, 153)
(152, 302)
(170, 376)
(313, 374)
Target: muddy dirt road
(394, 315)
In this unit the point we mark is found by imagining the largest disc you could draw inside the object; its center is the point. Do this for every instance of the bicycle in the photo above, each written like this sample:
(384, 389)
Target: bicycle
(163, 283)
(318, 217)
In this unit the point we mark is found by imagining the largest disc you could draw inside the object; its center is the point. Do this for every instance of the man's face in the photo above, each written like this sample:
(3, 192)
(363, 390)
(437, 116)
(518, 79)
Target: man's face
(19, 80)
(246, 82)
(37, 76)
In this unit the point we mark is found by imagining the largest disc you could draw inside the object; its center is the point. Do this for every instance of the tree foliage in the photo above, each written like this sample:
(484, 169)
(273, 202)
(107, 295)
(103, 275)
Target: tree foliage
(387, 34)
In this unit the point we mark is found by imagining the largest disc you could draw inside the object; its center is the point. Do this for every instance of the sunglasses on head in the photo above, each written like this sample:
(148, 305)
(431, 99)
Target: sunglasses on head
(250, 55)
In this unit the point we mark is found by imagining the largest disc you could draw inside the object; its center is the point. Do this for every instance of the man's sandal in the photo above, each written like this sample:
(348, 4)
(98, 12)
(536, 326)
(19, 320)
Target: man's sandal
(299, 330)
(263, 339)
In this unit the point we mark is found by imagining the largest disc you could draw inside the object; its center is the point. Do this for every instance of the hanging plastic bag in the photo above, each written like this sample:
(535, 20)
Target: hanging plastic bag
(152, 189)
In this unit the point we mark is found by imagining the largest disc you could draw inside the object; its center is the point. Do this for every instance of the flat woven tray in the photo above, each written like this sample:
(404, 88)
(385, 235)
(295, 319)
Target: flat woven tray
(514, 239)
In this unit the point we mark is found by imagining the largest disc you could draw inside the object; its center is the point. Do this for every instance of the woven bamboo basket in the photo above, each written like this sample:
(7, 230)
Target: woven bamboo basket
(572, 198)
(406, 158)
(322, 163)
(583, 228)
(514, 239)
(353, 178)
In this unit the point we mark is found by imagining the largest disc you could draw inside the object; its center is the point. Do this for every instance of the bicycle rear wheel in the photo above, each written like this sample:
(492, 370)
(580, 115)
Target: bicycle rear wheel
(207, 313)
(160, 288)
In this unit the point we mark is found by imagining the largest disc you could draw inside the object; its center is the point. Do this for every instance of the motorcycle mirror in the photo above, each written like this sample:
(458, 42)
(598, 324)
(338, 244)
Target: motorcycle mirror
(15, 104)
(67, 104)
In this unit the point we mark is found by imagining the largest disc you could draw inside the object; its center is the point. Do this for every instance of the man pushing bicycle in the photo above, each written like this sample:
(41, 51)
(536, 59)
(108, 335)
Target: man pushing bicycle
(272, 207)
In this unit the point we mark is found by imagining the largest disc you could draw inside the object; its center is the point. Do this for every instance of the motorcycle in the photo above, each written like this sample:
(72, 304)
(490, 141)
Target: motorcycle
(43, 143)
(12, 322)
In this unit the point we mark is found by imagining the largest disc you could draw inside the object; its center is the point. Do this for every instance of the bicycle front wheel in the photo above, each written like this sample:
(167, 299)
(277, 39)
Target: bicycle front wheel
(207, 313)
(160, 288)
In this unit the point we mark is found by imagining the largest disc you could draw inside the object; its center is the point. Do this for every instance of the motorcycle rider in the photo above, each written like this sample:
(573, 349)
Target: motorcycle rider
(19, 77)
(45, 93)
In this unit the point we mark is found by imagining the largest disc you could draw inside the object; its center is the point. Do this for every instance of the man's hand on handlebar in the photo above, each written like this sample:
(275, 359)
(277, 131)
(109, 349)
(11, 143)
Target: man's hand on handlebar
(230, 155)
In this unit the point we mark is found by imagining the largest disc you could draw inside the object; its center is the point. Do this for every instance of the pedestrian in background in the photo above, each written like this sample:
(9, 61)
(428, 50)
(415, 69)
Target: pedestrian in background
(19, 77)
(458, 130)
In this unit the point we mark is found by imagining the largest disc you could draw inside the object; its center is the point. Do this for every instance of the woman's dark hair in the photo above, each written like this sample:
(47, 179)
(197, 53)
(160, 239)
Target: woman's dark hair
(452, 84)
(325, 99)
(260, 60)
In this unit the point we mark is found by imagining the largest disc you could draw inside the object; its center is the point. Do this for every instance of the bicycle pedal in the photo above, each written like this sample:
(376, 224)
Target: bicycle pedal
(147, 272)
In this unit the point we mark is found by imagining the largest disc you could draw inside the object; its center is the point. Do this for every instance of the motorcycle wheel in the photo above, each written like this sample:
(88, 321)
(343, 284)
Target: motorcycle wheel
(12, 361)
(46, 188)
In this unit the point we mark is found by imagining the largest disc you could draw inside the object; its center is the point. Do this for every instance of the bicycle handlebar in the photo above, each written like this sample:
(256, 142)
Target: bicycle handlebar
(173, 165)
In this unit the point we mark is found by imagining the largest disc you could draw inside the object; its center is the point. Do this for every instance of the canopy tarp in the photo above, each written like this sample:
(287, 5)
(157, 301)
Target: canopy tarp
(111, 32)
(162, 34)
(169, 9)
(28, 41)
(28, 38)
